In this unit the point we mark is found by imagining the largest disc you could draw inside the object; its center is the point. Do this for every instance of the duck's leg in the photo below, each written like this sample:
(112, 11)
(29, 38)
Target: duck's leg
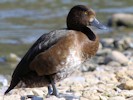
(50, 91)
(55, 91)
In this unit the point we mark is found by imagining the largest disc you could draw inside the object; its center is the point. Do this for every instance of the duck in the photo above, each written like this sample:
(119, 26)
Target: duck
(57, 54)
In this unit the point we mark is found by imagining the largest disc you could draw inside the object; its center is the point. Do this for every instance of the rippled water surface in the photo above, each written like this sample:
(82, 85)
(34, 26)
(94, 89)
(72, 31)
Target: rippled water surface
(23, 21)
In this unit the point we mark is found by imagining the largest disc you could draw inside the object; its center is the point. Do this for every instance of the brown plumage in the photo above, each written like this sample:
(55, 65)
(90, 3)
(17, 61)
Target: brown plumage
(56, 55)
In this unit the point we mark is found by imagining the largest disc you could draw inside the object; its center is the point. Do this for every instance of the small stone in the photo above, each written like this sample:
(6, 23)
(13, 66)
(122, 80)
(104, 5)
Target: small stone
(107, 42)
(3, 81)
(103, 98)
(76, 86)
(127, 93)
(38, 92)
(119, 57)
(104, 52)
(117, 98)
(121, 19)
(83, 98)
(114, 64)
(128, 85)
(91, 95)
(131, 98)
(13, 58)
(54, 98)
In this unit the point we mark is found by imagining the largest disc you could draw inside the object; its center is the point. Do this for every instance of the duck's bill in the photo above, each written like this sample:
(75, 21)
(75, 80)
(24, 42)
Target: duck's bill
(97, 24)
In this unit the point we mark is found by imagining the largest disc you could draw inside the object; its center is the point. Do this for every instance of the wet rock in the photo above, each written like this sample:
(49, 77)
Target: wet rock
(121, 19)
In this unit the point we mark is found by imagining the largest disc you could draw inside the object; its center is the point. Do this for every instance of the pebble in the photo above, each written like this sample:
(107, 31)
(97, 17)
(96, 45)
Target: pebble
(3, 80)
(83, 98)
(128, 85)
(118, 57)
(131, 98)
(107, 42)
(13, 58)
(121, 19)
(2, 59)
(117, 98)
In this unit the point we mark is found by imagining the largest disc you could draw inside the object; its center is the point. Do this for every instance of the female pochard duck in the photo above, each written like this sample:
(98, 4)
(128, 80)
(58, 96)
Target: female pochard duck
(56, 55)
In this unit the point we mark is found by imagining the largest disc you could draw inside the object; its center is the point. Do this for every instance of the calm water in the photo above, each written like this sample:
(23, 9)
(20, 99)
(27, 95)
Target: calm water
(23, 21)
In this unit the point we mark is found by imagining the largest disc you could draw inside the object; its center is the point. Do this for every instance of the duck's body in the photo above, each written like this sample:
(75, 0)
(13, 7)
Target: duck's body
(56, 55)
(60, 60)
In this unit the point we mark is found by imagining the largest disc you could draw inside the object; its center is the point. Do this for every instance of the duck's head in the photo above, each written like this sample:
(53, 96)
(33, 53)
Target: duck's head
(80, 16)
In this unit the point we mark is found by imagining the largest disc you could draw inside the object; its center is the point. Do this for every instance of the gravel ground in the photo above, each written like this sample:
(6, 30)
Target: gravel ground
(107, 76)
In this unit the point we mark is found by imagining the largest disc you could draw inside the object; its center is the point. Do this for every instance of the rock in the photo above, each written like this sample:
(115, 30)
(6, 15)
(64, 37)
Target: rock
(3, 80)
(88, 66)
(2, 59)
(118, 57)
(114, 64)
(122, 76)
(131, 98)
(91, 95)
(121, 19)
(83, 98)
(127, 93)
(100, 46)
(30, 97)
(123, 43)
(103, 98)
(117, 98)
(38, 92)
(77, 86)
(128, 85)
(11, 97)
(103, 52)
(13, 58)
(54, 98)
(107, 42)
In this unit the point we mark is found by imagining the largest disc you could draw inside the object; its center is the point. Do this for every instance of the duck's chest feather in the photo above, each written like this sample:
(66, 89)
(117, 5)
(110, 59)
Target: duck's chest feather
(68, 52)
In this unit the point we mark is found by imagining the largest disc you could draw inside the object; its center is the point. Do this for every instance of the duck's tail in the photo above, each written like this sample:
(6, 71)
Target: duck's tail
(13, 83)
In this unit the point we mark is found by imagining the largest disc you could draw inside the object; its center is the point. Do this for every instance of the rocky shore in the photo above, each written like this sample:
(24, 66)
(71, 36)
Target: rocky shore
(107, 76)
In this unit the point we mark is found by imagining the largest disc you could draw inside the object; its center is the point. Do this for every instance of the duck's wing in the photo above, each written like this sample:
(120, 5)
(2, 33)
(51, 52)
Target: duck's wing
(42, 44)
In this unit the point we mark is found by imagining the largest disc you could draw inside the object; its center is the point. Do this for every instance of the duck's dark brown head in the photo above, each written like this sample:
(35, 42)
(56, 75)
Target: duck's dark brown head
(80, 16)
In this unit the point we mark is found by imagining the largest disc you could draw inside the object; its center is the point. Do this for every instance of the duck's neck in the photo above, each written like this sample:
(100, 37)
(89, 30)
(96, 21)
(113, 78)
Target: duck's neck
(86, 30)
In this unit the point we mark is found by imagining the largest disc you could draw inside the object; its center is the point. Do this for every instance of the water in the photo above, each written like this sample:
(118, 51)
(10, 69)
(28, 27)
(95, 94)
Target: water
(23, 21)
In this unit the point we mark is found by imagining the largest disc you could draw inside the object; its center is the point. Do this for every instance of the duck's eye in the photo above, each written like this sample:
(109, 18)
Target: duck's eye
(85, 13)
